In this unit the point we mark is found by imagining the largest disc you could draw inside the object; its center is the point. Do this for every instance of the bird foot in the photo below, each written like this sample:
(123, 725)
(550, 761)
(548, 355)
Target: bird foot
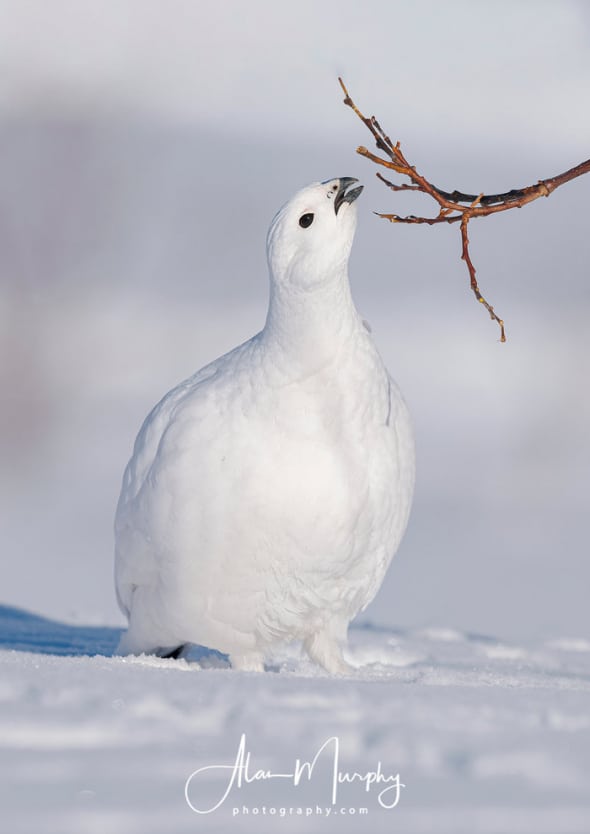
(326, 651)
(252, 662)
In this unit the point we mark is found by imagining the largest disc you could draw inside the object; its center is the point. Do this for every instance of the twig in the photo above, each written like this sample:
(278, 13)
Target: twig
(451, 208)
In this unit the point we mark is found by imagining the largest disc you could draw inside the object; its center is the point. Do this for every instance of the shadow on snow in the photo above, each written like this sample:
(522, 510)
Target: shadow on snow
(23, 631)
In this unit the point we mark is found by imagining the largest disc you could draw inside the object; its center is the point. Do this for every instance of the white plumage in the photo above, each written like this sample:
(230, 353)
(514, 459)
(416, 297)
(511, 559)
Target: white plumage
(267, 494)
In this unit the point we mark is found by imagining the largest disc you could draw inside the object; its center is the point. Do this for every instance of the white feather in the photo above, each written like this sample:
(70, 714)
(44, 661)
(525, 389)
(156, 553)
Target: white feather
(267, 494)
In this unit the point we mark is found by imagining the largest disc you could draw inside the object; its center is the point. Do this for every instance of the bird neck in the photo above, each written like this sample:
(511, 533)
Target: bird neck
(309, 327)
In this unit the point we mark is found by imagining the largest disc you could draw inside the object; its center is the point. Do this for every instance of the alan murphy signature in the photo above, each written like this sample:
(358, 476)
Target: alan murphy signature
(241, 773)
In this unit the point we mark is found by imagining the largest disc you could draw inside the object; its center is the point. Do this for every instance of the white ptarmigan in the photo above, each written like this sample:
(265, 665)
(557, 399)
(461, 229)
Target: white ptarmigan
(267, 494)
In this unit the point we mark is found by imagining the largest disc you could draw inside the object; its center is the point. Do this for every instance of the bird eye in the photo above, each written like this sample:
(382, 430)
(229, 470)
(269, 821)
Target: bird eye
(305, 220)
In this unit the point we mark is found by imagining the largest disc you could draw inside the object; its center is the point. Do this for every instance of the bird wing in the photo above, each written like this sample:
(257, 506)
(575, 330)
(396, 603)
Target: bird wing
(135, 556)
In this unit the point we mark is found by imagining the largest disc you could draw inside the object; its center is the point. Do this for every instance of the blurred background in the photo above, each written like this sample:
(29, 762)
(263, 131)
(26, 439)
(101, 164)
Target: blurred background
(144, 148)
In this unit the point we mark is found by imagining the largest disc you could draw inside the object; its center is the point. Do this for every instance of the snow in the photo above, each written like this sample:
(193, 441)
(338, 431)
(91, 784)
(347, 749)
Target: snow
(487, 737)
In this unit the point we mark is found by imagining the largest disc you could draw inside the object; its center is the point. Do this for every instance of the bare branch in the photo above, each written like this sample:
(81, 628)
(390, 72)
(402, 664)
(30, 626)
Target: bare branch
(451, 203)
(465, 256)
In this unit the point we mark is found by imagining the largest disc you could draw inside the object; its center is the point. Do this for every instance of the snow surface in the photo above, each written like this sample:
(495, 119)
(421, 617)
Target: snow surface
(487, 737)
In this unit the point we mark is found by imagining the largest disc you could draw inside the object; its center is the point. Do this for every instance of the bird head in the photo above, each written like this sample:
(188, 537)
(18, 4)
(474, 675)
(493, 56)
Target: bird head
(310, 237)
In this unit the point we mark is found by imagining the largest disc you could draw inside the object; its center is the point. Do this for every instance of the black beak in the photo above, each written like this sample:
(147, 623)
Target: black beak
(342, 196)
